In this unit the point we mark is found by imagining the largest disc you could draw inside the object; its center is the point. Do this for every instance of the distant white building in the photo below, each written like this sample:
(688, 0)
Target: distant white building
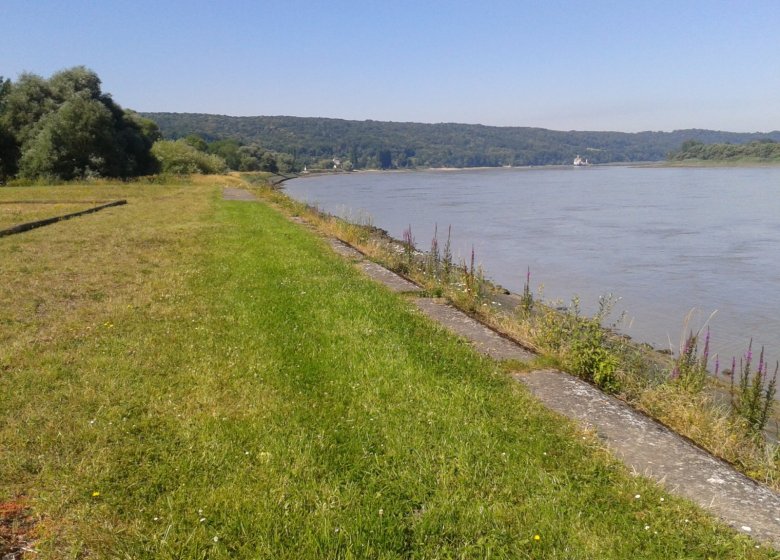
(578, 161)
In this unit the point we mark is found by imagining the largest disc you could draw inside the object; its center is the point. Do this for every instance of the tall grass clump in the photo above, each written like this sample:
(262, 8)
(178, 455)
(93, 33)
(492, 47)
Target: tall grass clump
(690, 370)
(409, 250)
(753, 396)
(527, 299)
(433, 258)
(446, 258)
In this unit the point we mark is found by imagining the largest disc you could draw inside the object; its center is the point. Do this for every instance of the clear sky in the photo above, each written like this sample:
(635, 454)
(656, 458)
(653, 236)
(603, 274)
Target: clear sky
(567, 65)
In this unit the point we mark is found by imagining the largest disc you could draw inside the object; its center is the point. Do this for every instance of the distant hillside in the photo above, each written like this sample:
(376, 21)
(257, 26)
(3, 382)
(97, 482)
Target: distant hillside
(376, 144)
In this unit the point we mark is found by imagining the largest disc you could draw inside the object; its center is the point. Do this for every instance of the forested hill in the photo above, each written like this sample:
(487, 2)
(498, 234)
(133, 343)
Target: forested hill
(376, 144)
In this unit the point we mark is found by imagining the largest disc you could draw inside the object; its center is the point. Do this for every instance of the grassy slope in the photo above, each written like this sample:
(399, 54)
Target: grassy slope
(231, 390)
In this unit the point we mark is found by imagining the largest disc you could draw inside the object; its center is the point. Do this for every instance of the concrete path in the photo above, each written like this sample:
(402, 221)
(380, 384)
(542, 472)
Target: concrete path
(345, 250)
(654, 451)
(390, 279)
(484, 339)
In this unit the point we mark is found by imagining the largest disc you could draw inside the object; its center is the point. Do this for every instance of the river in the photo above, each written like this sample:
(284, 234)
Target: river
(663, 240)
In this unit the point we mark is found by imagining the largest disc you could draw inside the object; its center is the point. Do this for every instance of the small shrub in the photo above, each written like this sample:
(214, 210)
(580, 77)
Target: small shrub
(581, 342)
(178, 157)
(589, 355)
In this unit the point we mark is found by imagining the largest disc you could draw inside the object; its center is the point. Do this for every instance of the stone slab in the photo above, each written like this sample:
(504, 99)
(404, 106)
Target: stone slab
(653, 450)
(344, 249)
(390, 279)
(483, 338)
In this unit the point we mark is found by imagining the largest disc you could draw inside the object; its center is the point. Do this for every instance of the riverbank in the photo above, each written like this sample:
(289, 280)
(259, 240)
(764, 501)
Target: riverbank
(570, 340)
(663, 240)
(185, 376)
(703, 163)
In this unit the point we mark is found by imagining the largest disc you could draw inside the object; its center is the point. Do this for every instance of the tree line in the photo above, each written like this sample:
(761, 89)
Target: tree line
(65, 127)
(317, 142)
(764, 150)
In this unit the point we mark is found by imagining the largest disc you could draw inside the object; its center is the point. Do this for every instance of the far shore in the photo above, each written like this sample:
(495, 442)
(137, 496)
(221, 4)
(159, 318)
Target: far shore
(636, 164)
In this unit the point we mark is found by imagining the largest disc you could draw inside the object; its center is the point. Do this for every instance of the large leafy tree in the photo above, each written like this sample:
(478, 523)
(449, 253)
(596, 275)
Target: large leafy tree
(66, 127)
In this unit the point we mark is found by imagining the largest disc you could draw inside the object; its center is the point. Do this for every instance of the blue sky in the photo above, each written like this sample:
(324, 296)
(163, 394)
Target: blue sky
(564, 65)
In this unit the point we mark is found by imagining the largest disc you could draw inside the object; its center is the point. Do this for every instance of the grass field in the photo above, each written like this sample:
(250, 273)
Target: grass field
(15, 213)
(187, 377)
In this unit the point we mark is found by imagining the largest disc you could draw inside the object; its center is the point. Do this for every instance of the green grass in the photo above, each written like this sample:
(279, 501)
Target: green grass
(186, 377)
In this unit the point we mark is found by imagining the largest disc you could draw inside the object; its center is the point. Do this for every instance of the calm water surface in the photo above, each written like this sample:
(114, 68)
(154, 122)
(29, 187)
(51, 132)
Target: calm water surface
(663, 240)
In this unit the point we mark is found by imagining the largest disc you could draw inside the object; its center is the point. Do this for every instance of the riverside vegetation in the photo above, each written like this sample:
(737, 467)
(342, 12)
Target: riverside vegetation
(66, 128)
(764, 151)
(315, 142)
(188, 377)
(727, 420)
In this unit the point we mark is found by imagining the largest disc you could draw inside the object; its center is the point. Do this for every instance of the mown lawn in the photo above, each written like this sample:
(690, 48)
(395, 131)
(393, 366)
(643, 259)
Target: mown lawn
(15, 213)
(187, 377)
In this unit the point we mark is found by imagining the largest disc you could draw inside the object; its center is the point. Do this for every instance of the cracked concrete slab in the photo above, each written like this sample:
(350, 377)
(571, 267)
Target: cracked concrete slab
(344, 249)
(655, 451)
(483, 338)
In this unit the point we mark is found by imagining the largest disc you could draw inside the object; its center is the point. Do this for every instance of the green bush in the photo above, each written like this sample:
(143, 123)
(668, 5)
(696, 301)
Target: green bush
(181, 158)
(581, 343)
